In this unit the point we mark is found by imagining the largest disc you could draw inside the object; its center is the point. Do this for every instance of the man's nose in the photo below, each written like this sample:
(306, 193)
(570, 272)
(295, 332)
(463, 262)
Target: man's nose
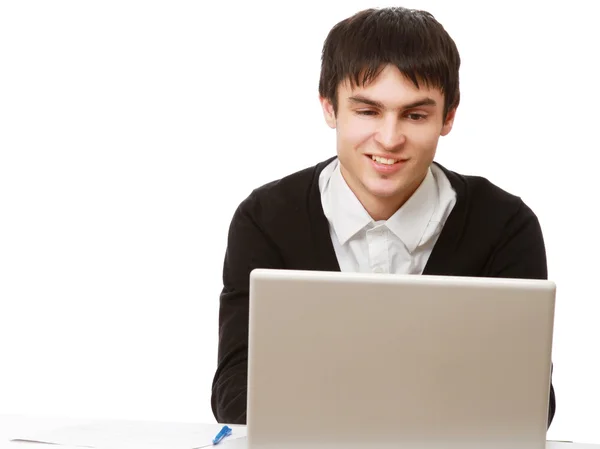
(390, 134)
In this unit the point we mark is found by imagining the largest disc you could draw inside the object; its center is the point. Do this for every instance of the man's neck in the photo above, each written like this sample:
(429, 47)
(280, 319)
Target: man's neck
(381, 209)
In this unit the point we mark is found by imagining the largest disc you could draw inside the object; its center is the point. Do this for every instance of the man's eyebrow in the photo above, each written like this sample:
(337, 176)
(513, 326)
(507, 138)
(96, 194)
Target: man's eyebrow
(364, 100)
(423, 102)
(415, 104)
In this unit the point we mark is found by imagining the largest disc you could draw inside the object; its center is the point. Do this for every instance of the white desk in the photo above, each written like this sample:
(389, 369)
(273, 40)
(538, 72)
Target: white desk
(13, 426)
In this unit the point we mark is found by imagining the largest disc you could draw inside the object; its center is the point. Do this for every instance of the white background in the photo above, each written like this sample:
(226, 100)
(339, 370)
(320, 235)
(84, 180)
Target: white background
(130, 131)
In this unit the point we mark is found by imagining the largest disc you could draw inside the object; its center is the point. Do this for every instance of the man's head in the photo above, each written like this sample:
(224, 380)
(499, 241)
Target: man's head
(390, 87)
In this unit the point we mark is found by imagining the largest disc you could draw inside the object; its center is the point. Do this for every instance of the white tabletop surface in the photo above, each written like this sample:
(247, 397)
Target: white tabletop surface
(24, 426)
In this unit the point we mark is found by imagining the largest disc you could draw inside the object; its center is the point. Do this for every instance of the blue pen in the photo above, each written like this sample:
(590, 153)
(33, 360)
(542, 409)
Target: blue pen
(224, 432)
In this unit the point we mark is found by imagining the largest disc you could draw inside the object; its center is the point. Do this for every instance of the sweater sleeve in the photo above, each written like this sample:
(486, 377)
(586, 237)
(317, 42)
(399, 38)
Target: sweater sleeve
(522, 255)
(248, 247)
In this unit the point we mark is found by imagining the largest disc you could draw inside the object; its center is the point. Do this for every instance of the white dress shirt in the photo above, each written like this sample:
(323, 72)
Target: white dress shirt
(403, 243)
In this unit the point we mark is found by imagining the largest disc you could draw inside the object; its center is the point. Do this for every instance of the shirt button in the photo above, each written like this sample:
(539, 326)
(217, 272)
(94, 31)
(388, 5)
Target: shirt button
(377, 270)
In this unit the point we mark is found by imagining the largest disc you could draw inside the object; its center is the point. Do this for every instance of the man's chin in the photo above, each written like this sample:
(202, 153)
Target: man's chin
(385, 190)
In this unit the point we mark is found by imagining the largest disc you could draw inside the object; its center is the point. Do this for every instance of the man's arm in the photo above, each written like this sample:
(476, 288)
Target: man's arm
(522, 254)
(248, 247)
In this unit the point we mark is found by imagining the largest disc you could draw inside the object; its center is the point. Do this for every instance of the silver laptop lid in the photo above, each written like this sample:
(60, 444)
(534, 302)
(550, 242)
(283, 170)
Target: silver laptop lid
(377, 361)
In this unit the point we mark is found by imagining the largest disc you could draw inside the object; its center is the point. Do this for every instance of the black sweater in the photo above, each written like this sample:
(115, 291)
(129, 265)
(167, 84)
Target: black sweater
(489, 233)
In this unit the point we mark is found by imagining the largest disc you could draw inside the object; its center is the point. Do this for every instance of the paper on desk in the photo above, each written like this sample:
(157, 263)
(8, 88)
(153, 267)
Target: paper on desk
(237, 443)
(134, 435)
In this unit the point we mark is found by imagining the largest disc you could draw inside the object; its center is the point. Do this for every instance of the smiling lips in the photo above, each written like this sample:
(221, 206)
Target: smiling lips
(385, 165)
(383, 160)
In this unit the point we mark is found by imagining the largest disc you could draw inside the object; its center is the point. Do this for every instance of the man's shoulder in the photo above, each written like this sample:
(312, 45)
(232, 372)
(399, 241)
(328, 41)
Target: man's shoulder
(492, 228)
(484, 196)
(293, 183)
(487, 212)
(285, 195)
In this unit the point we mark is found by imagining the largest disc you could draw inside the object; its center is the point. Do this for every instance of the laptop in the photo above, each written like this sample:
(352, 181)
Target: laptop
(350, 360)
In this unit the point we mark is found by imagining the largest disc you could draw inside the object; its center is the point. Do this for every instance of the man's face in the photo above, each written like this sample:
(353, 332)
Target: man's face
(391, 119)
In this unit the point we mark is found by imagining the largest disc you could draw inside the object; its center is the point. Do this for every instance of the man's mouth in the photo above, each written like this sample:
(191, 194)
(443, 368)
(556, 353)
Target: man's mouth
(383, 160)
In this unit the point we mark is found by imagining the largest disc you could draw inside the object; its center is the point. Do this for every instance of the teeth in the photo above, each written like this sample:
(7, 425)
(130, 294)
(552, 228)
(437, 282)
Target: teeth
(383, 160)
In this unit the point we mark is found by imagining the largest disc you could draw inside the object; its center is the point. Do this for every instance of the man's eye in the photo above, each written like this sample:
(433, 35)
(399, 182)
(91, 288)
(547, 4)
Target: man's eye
(416, 117)
(366, 112)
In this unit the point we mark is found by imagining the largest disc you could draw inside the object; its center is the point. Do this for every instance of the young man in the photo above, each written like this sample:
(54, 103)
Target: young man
(389, 87)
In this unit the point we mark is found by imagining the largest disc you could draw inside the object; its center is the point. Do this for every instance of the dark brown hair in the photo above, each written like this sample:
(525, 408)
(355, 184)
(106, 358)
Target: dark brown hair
(359, 47)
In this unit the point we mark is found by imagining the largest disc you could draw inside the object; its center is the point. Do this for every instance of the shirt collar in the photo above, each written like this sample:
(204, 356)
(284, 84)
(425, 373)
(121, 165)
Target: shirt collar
(345, 213)
(411, 221)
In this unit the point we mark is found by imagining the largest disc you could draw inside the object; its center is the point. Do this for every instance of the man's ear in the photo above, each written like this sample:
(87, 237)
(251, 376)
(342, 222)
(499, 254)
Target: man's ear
(328, 112)
(449, 122)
